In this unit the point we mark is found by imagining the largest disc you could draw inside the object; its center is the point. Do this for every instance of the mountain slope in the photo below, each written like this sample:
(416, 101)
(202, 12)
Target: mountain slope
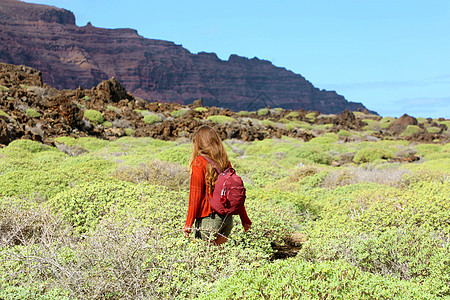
(47, 38)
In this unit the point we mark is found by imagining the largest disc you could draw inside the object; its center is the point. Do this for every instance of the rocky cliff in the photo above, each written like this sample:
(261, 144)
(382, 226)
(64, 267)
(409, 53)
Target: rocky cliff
(47, 38)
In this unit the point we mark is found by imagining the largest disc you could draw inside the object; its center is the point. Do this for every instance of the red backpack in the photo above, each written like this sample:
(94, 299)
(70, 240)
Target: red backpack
(229, 192)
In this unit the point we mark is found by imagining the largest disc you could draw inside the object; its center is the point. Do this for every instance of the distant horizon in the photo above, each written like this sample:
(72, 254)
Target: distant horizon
(391, 57)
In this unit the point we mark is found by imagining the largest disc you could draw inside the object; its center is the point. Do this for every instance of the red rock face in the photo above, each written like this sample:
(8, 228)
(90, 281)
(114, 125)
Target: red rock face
(47, 38)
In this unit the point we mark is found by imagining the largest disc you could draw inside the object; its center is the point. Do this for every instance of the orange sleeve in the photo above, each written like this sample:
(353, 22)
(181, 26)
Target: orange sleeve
(197, 194)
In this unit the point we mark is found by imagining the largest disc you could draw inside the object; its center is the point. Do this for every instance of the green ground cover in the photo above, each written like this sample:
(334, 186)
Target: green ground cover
(96, 219)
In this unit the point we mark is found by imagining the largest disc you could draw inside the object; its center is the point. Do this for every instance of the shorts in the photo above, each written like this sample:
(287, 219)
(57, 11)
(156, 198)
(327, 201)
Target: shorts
(208, 228)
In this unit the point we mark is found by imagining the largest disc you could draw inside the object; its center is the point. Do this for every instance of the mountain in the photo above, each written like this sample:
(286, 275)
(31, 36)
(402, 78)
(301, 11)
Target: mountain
(47, 38)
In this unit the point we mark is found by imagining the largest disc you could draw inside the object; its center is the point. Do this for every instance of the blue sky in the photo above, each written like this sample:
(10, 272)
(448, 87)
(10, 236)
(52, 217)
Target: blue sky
(392, 56)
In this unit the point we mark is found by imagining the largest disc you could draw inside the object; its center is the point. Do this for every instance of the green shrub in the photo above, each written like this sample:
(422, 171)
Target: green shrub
(107, 124)
(243, 113)
(87, 98)
(297, 124)
(371, 154)
(291, 125)
(297, 279)
(268, 123)
(178, 113)
(446, 123)
(130, 131)
(386, 122)
(151, 118)
(384, 230)
(25, 146)
(112, 108)
(34, 170)
(343, 132)
(69, 141)
(325, 139)
(179, 154)
(278, 110)
(293, 114)
(373, 231)
(4, 88)
(315, 153)
(428, 149)
(433, 129)
(359, 114)
(221, 119)
(201, 109)
(137, 251)
(94, 116)
(10, 98)
(257, 175)
(89, 143)
(368, 133)
(260, 148)
(2, 113)
(263, 112)
(372, 124)
(410, 130)
(422, 120)
(34, 292)
(311, 116)
(32, 113)
(143, 112)
(84, 205)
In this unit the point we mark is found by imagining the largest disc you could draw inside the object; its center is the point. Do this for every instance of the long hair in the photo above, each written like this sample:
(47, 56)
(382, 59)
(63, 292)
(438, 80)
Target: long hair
(207, 142)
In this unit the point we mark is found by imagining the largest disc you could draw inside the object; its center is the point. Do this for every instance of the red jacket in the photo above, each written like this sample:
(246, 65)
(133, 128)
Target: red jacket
(198, 204)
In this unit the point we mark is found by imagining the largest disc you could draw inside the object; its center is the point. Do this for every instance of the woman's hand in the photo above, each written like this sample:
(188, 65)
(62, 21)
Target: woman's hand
(186, 232)
(247, 227)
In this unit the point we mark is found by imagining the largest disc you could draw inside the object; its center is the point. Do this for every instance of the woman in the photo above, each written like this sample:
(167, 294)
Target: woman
(208, 224)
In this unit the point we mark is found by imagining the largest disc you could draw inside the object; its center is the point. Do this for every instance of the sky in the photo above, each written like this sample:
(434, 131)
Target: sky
(392, 56)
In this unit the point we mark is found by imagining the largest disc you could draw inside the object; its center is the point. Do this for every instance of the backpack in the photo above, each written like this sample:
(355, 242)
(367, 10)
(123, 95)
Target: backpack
(229, 192)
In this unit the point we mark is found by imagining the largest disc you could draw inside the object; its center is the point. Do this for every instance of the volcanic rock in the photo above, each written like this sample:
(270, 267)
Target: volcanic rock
(61, 113)
(399, 125)
(113, 90)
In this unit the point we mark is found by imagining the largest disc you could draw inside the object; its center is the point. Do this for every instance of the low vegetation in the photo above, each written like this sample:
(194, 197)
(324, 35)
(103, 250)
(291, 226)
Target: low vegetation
(151, 118)
(94, 116)
(410, 130)
(221, 119)
(178, 113)
(263, 112)
(97, 219)
(32, 113)
(2, 113)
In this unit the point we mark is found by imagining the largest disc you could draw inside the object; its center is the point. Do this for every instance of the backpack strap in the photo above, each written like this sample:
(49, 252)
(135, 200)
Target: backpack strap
(212, 163)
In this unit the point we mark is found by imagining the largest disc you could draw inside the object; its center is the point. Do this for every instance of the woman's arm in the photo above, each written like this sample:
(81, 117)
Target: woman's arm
(196, 194)
(245, 220)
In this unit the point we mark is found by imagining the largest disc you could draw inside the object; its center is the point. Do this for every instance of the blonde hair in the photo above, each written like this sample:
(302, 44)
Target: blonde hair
(207, 142)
